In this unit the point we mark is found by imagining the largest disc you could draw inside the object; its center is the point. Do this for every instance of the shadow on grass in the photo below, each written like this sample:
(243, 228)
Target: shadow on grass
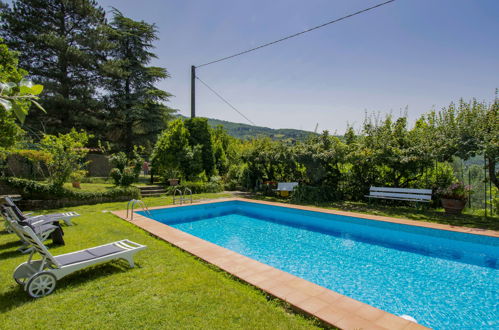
(8, 245)
(16, 253)
(17, 297)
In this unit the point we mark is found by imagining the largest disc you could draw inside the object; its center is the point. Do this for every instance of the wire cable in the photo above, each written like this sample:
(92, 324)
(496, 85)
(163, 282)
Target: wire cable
(297, 34)
(226, 102)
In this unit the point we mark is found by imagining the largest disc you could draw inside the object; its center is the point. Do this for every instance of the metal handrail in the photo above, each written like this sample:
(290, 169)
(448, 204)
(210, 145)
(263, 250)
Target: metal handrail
(185, 191)
(139, 203)
(175, 194)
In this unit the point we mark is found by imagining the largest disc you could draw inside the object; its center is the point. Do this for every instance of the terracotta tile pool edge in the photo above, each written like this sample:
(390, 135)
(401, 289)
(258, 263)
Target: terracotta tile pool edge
(327, 305)
(417, 223)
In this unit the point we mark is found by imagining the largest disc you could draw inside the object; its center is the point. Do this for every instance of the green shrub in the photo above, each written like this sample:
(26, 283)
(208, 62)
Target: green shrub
(36, 190)
(67, 153)
(127, 169)
(315, 195)
(128, 176)
(198, 187)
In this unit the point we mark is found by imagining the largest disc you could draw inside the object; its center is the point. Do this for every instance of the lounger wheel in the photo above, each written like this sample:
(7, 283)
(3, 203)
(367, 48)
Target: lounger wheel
(41, 284)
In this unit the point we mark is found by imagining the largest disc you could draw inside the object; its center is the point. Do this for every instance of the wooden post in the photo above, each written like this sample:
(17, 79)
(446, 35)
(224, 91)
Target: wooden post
(469, 184)
(485, 184)
(193, 91)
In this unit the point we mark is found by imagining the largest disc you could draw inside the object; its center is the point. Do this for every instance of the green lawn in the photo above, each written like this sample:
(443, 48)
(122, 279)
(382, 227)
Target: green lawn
(168, 289)
(90, 187)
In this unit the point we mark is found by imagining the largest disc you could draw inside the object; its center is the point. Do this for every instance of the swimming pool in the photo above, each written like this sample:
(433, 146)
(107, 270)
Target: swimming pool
(443, 279)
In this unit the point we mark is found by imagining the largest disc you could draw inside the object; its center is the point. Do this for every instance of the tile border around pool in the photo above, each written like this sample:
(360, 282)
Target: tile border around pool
(329, 306)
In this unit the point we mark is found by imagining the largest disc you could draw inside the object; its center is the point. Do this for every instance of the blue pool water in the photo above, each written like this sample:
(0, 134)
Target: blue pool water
(444, 279)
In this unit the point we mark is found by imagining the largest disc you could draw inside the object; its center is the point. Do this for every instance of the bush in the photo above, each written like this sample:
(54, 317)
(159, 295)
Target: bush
(127, 169)
(67, 153)
(36, 190)
(315, 195)
(198, 187)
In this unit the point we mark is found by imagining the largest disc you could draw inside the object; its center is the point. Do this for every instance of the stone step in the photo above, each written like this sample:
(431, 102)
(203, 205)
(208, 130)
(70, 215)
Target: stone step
(145, 188)
(152, 194)
(153, 191)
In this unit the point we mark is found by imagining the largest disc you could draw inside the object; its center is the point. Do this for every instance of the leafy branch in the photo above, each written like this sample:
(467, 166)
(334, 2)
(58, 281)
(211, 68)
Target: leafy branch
(15, 98)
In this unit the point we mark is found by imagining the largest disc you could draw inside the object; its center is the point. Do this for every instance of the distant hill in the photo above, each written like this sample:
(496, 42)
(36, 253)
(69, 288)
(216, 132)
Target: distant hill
(245, 131)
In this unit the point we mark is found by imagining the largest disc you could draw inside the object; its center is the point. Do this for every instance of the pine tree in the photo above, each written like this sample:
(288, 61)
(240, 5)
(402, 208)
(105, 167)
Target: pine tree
(61, 46)
(135, 105)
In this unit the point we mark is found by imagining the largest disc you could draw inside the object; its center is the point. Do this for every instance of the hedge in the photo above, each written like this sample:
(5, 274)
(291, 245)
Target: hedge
(198, 187)
(30, 189)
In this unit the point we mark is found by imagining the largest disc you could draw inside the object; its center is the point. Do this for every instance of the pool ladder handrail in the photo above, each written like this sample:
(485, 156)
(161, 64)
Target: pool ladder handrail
(138, 202)
(182, 195)
(175, 196)
(185, 193)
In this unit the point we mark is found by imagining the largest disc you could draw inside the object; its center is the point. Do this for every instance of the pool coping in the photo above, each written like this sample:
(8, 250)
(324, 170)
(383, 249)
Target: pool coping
(327, 305)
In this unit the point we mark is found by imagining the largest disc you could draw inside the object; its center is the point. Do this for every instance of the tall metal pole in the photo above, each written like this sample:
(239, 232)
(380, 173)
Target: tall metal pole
(193, 91)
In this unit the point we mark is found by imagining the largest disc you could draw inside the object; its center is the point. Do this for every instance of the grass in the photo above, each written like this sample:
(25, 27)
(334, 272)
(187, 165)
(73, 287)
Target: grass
(467, 219)
(168, 288)
(90, 187)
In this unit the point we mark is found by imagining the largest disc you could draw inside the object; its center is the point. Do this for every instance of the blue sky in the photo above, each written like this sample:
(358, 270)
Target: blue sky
(417, 54)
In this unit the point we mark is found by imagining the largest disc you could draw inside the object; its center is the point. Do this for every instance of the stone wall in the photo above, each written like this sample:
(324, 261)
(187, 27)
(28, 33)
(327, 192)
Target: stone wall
(99, 165)
(18, 166)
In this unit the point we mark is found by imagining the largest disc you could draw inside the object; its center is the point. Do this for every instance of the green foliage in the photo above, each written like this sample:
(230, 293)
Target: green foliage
(314, 195)
(127, 168)
(16, 95)
(119, 160)
(40, 191)
(77, 176)
(322, 157)
(62, 47)
(18, 102)
(466, 130)
(173, 152)
(224, 150)
(198, 187)
(67, 155)
(200, 136)
(136, 112)
(269, 160)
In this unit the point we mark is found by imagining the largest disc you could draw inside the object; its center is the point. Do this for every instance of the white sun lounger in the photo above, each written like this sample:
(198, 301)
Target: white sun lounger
(65, 216)
(42, 230)
(39, 277)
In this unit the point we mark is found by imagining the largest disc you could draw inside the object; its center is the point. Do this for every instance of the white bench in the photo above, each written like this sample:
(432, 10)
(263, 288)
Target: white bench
(401, 194)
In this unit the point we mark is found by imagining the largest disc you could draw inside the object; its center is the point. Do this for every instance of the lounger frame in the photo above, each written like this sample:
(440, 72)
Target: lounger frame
(65, 216)
(48, 265)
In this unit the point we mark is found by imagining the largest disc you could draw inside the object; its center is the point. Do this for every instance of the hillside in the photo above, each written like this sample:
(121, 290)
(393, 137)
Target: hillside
(245, 131)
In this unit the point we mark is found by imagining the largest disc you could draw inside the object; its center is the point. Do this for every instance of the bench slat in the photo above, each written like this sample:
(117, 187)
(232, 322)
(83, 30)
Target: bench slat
(400, 199)
(402, 190)
(397, 195)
